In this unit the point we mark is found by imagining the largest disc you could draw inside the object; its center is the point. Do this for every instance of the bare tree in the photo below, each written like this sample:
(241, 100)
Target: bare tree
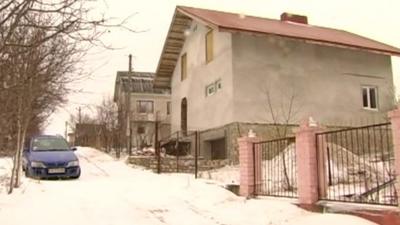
(41, 43)
(41, 75)
(107, 116)
(283, 113)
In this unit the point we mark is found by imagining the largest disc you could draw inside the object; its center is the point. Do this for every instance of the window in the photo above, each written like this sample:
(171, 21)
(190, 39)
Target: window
(218, 149)
(209, 46)
(210, 89)
(183, 67)
(49, 143)
(168, 108)
(214, 87)
(145, 106)
(140, 130)
(218, 85)
(370, 97)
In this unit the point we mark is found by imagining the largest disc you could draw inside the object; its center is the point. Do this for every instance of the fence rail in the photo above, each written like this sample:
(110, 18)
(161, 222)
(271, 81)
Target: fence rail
(275, 171)
(357, 165)
(181, 147)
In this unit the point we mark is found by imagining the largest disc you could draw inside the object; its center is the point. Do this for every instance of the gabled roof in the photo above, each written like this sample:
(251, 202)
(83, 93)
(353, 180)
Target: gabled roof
(141, 82)
(231, 22)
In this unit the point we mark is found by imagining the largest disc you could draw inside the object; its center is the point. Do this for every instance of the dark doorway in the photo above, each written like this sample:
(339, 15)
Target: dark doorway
(218, 149)
(184, 116)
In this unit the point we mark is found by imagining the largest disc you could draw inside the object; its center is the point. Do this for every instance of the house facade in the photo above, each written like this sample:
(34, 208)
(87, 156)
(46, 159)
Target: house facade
(147, 105)
(231, 73)
(89, 134)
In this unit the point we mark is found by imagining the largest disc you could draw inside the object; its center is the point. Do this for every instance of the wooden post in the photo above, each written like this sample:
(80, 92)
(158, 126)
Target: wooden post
(196, 154)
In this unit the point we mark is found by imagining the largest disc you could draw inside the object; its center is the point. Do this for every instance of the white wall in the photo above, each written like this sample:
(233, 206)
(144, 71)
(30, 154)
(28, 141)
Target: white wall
(159, 101)
(203, 112)
(326, 81)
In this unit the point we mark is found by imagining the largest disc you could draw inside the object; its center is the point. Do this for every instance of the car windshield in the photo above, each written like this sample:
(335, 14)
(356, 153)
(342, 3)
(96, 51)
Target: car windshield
(49, 144)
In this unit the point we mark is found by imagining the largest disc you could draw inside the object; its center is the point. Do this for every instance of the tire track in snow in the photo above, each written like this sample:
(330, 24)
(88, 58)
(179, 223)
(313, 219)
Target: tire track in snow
(159, 214)
(202, 213)
(91, 162)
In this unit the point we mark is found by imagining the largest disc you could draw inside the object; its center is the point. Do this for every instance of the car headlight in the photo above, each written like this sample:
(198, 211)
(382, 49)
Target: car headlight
(37, 164)
(73, 163)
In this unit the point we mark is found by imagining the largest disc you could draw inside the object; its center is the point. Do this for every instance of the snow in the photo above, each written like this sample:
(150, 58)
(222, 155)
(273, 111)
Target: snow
(225, 175)
(5, 168)
(110, 192)
(329, 219)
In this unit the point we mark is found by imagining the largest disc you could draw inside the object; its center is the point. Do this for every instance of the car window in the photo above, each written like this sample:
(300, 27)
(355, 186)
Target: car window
(49, 143)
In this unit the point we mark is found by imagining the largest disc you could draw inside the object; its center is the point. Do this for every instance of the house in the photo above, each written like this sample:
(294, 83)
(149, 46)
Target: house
(147, 105)
(230, 73)
(89, 134)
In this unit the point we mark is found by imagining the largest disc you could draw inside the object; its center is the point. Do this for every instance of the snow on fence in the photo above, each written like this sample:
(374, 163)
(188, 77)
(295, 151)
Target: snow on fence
(357, 165)
(275, 167)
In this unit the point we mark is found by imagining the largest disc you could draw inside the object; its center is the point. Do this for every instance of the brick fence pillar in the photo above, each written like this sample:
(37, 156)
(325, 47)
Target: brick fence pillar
(395, 120)
(246, 165)
(306, 161)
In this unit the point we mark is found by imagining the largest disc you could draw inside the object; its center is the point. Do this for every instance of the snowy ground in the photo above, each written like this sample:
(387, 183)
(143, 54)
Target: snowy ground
(112, 193)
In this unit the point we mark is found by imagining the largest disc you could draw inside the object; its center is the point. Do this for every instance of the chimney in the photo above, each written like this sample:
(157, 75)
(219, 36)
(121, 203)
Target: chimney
(294, 18)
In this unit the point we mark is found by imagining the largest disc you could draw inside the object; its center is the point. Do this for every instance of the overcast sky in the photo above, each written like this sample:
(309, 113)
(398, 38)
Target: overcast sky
(378, 20)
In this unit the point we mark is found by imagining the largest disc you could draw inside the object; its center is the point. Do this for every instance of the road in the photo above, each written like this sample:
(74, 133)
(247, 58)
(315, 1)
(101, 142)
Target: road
(111, 193)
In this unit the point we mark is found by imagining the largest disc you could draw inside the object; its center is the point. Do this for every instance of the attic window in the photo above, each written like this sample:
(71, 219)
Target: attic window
(209, 46)
(183, 67)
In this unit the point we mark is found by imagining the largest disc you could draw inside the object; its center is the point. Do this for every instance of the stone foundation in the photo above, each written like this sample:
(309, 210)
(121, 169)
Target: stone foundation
(231, 132)
(172, 165)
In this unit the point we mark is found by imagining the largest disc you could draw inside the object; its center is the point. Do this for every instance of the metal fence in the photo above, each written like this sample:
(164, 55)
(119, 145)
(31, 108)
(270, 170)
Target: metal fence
(357, 165)
(275, 171)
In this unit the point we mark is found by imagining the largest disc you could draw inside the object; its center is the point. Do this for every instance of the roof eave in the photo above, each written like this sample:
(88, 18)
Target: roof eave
(164, 48)
(315, 41)
(204, 21)
(179, 10)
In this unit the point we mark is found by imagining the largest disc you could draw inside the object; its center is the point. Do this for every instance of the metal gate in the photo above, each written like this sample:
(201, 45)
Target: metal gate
(275, 168)
(357, 165)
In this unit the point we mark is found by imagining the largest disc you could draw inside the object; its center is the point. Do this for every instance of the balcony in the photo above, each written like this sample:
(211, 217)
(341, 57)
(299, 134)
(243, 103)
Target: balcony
(143, 117)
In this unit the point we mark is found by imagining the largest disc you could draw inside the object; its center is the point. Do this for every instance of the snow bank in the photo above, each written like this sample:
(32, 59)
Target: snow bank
(225, 175)
(5, 171)
(110, 192)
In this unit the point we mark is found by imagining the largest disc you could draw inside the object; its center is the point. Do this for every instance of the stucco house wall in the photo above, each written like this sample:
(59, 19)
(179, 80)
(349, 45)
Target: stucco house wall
(203, 112)
(144, 121)
(325, 81)
(147, 120)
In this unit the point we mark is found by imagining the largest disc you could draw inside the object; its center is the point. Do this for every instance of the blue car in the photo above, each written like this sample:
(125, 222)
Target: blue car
(48, 156)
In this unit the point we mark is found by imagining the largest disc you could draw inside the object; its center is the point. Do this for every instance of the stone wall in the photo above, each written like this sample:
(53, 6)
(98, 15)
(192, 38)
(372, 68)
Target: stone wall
(172, 165)
(231, 132)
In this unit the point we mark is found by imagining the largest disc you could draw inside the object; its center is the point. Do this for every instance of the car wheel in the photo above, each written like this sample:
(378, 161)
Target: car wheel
(77, 176)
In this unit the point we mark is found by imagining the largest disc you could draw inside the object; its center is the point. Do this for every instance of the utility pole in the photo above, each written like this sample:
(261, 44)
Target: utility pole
(66, 130)
(79, 114)
(157, 146)
(129, 111)
(77, 134)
